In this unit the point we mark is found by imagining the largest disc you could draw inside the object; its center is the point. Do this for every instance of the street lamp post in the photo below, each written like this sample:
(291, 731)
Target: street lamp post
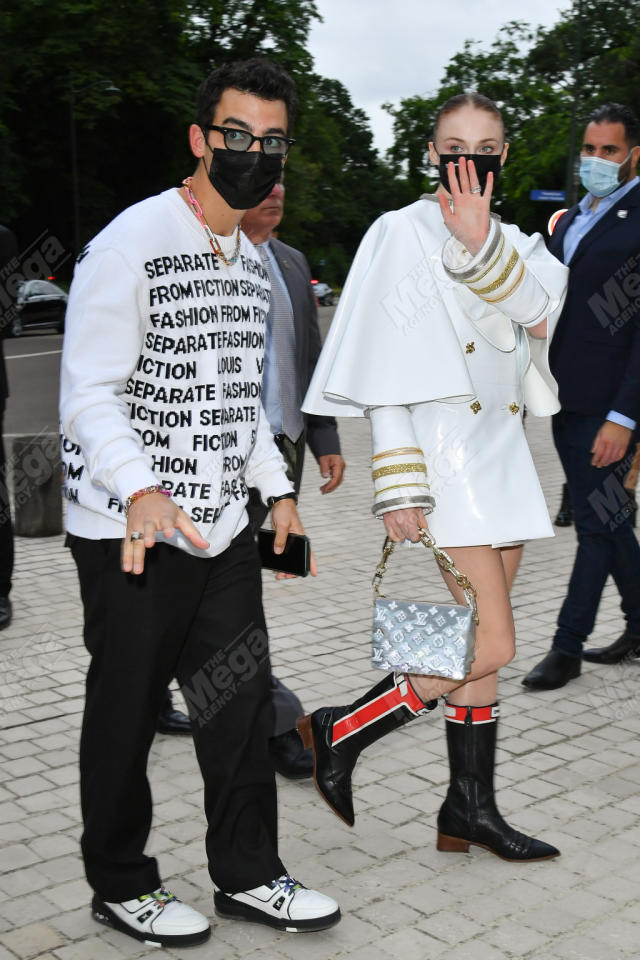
(73, 92)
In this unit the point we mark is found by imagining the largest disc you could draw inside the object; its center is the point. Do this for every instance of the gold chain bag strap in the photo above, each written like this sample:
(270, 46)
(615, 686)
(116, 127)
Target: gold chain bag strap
(434, 639)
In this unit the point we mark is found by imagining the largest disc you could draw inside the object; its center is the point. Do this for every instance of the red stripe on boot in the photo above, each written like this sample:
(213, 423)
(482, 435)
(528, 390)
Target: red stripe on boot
(457, 714)
(402, 695)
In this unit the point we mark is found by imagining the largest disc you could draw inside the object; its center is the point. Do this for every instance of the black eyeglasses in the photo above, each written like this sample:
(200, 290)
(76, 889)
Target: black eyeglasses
(242, 140)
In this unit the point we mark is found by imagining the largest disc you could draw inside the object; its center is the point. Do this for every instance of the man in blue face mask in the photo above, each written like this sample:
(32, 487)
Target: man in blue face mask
(595, 357)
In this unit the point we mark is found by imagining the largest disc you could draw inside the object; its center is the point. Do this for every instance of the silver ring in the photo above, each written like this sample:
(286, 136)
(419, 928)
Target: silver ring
(476, 189)
(136, 535)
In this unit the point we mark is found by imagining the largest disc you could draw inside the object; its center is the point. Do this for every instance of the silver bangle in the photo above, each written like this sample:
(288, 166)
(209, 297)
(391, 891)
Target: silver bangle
(426, 503)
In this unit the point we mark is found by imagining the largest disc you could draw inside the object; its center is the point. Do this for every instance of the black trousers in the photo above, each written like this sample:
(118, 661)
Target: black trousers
(6, 529)
(200, 620)
(286, 704)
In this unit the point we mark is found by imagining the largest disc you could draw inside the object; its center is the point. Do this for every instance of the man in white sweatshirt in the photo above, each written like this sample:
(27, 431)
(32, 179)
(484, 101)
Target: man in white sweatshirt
(163, 431)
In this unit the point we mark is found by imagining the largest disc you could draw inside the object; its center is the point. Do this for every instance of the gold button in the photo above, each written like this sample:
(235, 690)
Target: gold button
(476, 406)
(470, 347)
(514, 408)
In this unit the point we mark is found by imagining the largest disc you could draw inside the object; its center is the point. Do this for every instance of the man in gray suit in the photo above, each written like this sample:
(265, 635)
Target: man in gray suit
(292, 349)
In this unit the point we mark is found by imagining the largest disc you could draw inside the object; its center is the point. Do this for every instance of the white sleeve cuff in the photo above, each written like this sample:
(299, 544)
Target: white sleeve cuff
(460, 264)
(266, 468)
(131, 477)
(398, 468)
(499, 276)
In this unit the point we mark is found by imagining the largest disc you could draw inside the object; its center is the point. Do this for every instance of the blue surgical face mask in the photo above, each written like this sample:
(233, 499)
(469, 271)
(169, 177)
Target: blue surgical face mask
(601, 177)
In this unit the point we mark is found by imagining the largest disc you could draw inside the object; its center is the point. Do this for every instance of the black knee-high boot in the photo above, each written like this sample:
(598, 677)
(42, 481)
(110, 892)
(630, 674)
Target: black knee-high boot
(337, 735)
(469, 814)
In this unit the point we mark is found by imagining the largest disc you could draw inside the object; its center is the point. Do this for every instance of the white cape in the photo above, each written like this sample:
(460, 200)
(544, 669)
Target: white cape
(392, 341)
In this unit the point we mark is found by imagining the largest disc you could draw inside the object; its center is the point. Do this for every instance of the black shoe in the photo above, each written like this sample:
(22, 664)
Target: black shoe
(290, 758)
(171, 720)
(339, 734)
(632, 507)
(625, 647)
(5, 612)
(554, 671)
(565, 513)
(469, 814)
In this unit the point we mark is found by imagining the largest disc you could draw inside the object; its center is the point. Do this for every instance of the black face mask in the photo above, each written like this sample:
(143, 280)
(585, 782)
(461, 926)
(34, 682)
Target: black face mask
(244, 178)
(484, 163)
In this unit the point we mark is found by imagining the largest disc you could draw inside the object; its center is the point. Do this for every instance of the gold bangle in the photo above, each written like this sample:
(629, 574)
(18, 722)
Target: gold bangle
(393, 453)
(511, 289)
(399, 468)
(511, 262)
(396, 486)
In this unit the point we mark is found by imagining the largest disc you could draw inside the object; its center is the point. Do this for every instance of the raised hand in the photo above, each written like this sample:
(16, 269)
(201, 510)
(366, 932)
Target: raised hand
(469, 219)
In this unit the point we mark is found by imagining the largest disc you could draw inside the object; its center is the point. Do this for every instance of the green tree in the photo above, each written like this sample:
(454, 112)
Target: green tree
(412, 129)
(542, 80)
(132, 142)
(337, 180)
(602, 39)
(535, 112)
(130, 72)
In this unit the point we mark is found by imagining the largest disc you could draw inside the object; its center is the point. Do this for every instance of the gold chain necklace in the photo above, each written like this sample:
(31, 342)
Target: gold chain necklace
(213, 240)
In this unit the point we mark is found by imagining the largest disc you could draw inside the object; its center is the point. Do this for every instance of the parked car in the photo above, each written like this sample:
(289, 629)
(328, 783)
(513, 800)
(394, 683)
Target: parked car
(323, 293)
(39, 304)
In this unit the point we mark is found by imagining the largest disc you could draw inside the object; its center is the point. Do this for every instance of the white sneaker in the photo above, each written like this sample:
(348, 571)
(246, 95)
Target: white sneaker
(284, 903)
(158, 919)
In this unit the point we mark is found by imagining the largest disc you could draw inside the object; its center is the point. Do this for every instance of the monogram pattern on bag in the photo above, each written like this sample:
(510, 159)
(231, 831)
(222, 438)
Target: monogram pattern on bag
(422, 638)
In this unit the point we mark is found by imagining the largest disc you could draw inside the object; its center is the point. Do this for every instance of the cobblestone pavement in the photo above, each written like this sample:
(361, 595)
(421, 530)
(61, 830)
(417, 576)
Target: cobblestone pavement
(569, 771)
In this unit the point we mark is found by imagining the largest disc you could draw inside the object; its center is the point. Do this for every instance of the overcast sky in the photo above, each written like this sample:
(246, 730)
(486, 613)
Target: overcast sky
(382, 50)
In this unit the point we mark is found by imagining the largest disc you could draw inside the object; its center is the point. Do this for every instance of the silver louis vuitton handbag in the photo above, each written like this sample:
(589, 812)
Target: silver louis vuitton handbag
(412, 636)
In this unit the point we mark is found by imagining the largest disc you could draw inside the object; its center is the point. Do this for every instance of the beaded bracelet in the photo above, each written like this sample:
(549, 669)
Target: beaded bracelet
(156, 488)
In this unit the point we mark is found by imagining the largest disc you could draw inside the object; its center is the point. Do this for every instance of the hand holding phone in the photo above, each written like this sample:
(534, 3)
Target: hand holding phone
(294, 560)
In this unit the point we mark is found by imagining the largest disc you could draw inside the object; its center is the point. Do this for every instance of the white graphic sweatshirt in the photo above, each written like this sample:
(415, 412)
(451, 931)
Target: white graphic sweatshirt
(161, 376)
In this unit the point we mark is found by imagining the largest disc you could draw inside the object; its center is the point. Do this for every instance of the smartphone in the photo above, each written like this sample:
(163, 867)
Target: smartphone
(295, 557)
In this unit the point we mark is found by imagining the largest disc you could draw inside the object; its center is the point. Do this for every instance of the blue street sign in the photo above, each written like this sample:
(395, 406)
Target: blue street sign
(550, 196)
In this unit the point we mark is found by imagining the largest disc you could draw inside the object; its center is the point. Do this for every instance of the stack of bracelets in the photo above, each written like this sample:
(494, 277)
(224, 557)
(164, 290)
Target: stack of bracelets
(156, 488)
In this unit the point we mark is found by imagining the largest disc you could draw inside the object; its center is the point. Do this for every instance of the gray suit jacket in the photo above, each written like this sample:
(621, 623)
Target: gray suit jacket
(321, 432)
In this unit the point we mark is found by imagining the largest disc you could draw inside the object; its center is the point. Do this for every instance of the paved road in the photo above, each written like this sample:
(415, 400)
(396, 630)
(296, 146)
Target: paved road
(569, 761)
(569, 770)
(33, 363)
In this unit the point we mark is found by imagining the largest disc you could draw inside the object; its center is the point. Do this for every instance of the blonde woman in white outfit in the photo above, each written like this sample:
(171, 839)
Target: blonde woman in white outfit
(440, 339)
